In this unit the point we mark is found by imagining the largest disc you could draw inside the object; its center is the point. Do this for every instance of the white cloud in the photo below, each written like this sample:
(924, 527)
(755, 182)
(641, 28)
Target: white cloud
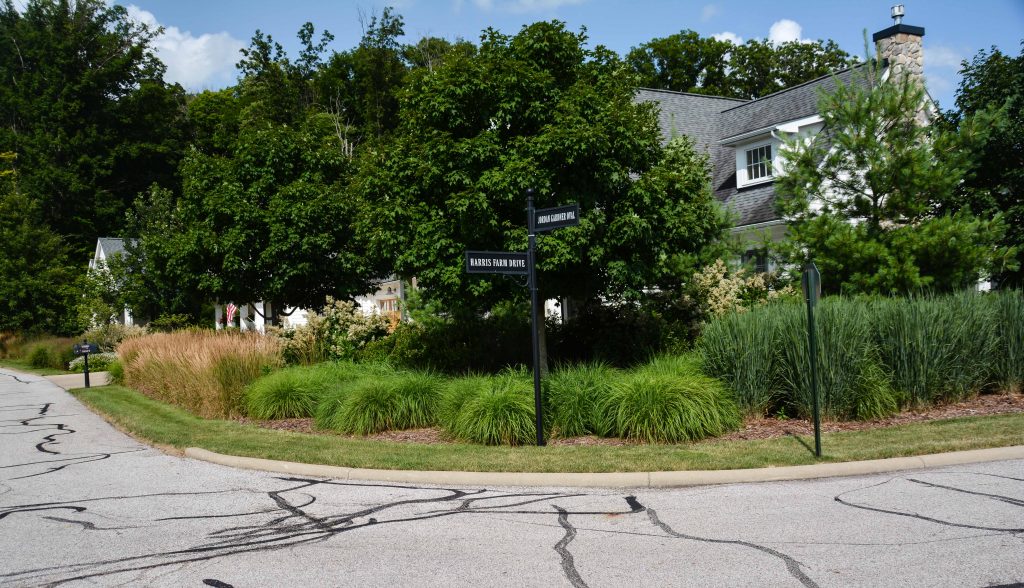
(941, 56)
(197, 63)
(785, 30)
(708, 12)
(729, 36)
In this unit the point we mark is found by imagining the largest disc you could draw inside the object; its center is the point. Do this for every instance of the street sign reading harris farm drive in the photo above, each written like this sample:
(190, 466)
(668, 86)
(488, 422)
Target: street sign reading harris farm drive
(496, 262)
(557, 217)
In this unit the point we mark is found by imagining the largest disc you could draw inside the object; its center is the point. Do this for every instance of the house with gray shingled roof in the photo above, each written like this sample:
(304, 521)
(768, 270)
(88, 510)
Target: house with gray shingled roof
(108, 248)
(744, 138)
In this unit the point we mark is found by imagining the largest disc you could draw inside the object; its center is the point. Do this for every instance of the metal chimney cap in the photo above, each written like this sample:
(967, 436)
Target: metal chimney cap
(897, 13)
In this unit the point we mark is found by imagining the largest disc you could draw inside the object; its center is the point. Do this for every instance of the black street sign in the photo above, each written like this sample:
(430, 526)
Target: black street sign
(85, 348)
(547, 219)
(496, 262)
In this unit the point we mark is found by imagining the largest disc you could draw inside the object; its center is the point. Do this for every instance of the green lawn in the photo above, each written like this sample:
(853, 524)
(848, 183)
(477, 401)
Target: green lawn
(167, 425)
(22, 365)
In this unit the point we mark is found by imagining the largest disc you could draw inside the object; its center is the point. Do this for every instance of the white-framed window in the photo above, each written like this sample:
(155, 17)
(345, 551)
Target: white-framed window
(759, 163)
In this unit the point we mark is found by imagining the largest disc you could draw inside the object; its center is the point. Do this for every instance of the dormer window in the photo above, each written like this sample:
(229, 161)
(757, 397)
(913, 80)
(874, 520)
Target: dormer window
(759, 163)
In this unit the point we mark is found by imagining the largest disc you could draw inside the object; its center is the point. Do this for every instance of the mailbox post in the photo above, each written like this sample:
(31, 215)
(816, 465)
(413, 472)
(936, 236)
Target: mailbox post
(84, 349)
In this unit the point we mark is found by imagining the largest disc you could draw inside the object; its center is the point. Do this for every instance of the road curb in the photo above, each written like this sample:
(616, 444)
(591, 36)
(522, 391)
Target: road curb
(615, 479)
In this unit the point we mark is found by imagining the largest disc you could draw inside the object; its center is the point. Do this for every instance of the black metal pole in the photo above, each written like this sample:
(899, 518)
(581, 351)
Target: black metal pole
(812, 344)
(531, 258)
(86, 367)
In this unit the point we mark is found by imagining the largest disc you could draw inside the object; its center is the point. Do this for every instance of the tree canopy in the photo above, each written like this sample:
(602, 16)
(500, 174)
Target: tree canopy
(537, 110)
(993, 86)
(84, 105)
(688, 62)
(37, 284)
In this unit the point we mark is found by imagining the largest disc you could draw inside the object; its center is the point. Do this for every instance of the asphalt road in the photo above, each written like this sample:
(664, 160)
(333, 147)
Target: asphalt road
(83, 505)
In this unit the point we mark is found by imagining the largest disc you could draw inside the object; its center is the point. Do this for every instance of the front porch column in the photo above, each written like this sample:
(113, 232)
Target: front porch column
(243, 317)
(259, 320)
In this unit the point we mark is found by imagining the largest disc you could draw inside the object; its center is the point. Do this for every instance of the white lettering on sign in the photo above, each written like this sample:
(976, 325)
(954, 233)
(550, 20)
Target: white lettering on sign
(496, 262)
(554, 218)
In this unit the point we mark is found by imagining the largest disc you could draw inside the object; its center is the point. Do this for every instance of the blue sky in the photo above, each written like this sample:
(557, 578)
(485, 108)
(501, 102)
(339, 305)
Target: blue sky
(202, 38)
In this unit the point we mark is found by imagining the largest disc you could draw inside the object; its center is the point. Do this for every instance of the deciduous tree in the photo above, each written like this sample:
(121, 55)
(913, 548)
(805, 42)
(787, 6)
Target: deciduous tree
(84, 104)
(993, 86)
(535, 110)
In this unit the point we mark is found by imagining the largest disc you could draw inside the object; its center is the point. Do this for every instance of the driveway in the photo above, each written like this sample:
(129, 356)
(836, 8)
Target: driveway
(82, 505)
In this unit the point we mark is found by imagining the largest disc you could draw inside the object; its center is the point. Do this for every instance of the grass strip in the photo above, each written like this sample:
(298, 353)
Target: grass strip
(163, 424)
(23, 365)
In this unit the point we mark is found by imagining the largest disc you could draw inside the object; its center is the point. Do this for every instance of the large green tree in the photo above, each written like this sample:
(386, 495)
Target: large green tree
(535, 110)
(860, 196)
(262, 212)
(37, 282)
(993, 85)
(685, 62)
(84, 105)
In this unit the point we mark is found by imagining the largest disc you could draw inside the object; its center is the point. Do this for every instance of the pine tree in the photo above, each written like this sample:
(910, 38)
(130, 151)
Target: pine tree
(860, 196)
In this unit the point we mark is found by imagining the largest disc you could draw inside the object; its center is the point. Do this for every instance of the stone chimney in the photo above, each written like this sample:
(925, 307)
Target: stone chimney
(900, 47)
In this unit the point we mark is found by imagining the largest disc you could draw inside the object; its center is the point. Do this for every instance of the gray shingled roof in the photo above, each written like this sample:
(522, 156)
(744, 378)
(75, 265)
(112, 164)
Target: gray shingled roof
(709, 119)
(111, 246)
(785, 105)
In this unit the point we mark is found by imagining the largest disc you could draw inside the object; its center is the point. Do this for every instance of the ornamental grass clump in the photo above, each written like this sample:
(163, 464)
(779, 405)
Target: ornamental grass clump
(204, 372)
(741, 350)
(574, 394)
(1008, 362)
(371, 404)
(499, 414)
(937, 348)
(657, 407)
(851, 383)
(295, 392)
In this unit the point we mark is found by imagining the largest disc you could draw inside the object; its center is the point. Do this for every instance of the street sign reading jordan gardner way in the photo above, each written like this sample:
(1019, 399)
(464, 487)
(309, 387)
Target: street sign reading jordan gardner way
(496, 262)
(547, 219)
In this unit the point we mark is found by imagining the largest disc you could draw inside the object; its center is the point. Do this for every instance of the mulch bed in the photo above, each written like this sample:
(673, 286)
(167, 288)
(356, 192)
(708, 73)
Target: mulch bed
(757, 428)
(983, 404)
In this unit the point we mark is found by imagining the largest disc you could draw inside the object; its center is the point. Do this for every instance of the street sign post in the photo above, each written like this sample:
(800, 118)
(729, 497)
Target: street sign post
(84, 349)
(520, 264)
(812, 291)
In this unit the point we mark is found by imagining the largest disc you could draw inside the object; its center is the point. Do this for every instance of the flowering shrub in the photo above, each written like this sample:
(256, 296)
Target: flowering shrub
(98, 362)
(338, 332)
(718, 291)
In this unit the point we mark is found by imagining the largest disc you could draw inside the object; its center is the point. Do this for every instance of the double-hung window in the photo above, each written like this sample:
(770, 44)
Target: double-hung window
(759, 163)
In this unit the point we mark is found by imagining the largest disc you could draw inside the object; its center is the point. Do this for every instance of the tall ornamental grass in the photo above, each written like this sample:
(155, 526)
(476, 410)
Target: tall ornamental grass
(850, 382)
(938, 348)
(205, 372)
(1009, 336)
(874, 355)
(740, 349)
